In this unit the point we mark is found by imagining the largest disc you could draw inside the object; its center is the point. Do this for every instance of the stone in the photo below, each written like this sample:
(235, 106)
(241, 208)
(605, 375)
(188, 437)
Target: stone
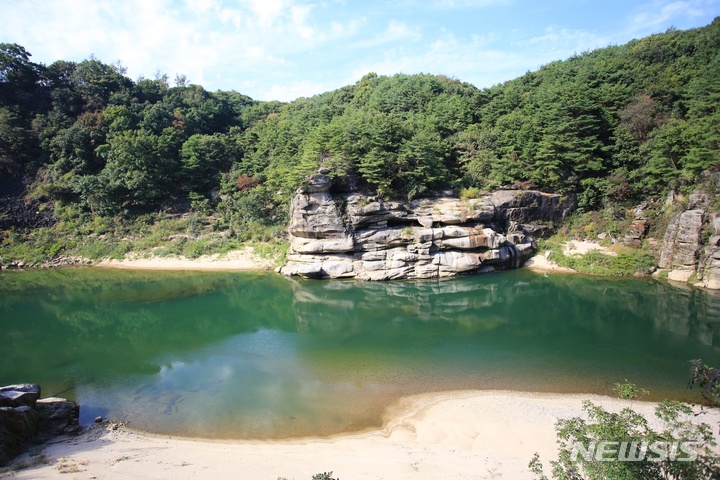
(354, 235)
(58, 417)
(687, 250)
(19, 395)
(681, 244)
(337, 269)
(18, 426)
(34, 420)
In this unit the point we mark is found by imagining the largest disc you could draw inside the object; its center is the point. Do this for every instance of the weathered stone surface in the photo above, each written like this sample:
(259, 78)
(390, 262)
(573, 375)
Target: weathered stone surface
(18, 426)
(361, 236)
(58, 417)
(691, 245)
(19, 395)
(681, 244)
(529, 206)
(33, 419)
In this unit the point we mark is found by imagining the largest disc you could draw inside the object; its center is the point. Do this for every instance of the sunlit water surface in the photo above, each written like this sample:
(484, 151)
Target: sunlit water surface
(250, 355)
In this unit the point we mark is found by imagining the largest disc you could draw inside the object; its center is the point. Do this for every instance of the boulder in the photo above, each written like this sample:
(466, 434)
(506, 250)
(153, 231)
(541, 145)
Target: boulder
(18, 427)
(19, 395)
(31, 419)
(58, 417)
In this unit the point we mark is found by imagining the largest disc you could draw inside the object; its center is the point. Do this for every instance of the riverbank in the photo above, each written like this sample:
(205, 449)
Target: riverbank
(237, 260)
(541, 263)
(463, 435)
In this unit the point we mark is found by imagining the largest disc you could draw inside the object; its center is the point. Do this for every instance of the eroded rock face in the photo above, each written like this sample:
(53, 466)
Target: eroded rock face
(687, 249)
(25, 419)
(709, 267)
(681, 244)
(342, 236)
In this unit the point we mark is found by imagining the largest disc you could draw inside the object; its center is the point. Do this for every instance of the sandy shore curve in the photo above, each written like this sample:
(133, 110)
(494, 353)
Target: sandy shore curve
(459, 435)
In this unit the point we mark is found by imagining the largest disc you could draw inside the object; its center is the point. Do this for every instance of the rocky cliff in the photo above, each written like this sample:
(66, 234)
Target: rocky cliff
(354, 235)
(691, 245)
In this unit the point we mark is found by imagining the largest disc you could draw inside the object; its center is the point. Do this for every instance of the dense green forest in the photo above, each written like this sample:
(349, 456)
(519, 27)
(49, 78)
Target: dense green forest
(91, 161)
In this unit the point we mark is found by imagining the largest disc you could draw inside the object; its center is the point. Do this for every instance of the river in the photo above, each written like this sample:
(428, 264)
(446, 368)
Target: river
(257, 355)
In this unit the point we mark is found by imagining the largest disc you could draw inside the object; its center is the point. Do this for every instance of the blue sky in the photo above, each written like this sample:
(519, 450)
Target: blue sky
(285, 49)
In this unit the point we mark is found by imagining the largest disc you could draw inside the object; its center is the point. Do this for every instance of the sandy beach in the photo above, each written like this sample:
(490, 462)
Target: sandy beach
(236, 260)
(541, 263)
(459, 435)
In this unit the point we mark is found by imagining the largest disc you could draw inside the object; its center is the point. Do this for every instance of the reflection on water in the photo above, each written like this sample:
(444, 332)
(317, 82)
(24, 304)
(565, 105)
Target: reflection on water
(258, 356)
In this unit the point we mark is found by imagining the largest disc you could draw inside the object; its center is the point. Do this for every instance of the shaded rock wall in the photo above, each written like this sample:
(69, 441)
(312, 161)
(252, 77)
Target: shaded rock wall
(353, 235)
(691, 245)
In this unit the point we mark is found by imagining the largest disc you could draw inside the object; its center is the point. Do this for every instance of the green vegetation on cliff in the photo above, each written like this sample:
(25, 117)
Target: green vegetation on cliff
(98, 157)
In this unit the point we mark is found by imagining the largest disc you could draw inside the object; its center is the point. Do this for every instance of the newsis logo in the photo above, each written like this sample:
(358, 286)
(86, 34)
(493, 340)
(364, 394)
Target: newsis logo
(635, 451)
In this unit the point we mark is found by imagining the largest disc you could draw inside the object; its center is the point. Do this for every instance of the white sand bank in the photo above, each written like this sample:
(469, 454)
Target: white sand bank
(540, 262)
(460, 435)
(236, 260)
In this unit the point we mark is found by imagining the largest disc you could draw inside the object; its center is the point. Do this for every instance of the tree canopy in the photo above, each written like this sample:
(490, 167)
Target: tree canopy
(635, 119)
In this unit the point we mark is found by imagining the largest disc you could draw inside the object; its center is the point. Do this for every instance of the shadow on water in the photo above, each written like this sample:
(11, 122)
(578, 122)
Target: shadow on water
(255, 355)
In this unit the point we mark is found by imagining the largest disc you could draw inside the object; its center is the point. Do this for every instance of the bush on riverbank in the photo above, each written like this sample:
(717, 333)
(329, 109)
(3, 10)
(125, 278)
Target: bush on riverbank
(627, 263)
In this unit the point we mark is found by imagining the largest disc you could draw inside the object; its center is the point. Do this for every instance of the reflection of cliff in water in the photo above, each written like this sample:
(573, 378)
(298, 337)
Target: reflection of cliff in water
(690, 312)
(524, 302)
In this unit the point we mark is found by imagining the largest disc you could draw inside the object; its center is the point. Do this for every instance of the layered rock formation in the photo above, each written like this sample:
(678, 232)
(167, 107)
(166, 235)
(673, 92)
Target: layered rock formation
(353, 235)
(691, 245)
(26, 418)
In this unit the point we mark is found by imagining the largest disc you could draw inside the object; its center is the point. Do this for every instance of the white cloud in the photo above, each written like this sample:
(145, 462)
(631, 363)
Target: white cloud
(292, 90)
(470, 3)
(284, 48)
(470, 60)
(395, 32)
(560, 43)
(660, 14)
(267, 11)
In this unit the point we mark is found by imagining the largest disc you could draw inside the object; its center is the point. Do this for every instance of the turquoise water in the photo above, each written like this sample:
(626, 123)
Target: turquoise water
(256, 355)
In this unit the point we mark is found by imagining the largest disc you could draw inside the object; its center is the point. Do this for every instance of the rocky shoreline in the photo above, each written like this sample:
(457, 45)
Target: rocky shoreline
(27, 419)
(354, 235)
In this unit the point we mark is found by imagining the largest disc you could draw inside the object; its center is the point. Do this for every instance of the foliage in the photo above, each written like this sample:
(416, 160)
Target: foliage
(324, 476)
(612, 126)
(629, 390)
(595, 262)
(678, 424)
(707, 378)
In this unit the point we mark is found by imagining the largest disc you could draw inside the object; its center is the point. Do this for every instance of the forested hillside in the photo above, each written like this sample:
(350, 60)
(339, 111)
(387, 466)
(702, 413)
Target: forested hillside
(91, 161)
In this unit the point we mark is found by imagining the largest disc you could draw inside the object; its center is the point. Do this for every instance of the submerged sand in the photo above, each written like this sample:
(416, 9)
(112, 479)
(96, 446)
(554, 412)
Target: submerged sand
(461, 435)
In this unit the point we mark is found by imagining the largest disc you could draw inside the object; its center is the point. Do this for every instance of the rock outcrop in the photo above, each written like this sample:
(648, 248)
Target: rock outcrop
(691, 245)
(26, 419)
(354, 235)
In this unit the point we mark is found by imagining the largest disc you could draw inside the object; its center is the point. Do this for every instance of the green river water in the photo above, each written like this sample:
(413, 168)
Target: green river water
(256, 355)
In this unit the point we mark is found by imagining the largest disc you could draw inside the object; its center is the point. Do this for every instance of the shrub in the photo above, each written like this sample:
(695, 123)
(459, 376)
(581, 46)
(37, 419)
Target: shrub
(628, 431)
(245, 183)
(707, 378)
(469, 193)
